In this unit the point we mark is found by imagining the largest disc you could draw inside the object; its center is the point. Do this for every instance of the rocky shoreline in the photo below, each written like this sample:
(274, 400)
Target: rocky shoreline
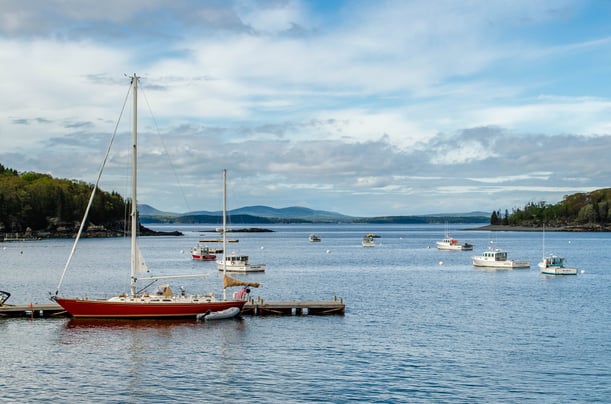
(91, 232)
(498, 227)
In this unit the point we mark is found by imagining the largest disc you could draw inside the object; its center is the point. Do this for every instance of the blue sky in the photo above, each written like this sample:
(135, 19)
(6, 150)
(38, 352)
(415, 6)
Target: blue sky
(366, 108)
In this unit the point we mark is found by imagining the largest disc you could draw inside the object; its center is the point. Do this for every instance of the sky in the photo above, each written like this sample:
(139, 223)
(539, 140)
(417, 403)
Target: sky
(366, 108)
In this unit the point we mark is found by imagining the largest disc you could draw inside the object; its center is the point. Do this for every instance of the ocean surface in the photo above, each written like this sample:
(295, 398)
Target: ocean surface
(421, 325)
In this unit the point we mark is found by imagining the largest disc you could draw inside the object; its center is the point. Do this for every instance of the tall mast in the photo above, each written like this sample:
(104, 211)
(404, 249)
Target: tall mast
(224, 229)
(134, 209)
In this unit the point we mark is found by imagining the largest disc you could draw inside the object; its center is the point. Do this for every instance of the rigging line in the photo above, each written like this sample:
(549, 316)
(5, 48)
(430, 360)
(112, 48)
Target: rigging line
(95, 187)
(175, 172)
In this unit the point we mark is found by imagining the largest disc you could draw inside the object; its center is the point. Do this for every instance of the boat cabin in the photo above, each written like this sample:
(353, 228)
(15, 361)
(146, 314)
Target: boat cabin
(495, 255)
(554, 261)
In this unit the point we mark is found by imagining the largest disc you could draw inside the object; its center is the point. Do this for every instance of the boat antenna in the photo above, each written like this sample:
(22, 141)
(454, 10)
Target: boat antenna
(90, 203)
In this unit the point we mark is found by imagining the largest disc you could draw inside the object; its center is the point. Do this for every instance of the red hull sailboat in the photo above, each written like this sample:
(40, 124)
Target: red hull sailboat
(142, 308)
(162, 303)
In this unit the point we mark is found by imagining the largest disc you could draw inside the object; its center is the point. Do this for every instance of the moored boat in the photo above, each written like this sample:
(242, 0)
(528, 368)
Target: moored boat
(554, 265)
(238, 263)
(497, 258)
(233, 262)
(138, 303)
(202, 253)
(218, 315)
(315, 238)
(368, 241)
(452, 244)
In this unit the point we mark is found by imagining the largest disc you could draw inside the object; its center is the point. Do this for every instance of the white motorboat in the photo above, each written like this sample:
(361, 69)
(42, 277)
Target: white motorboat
(449, 243)
(498, 259)
(238, 263)
(368, 241)
(233, 262)
(554, 265)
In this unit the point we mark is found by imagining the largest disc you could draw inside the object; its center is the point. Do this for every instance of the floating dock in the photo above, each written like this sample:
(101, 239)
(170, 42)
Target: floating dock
(257, 307)
(260, 307)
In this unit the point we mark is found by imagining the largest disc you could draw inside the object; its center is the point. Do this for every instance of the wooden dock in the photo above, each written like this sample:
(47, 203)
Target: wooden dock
(257, 307)
(260, 307)
(32, 310)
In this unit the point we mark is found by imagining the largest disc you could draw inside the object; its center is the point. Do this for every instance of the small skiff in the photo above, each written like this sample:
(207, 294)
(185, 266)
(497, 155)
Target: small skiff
(219, 315)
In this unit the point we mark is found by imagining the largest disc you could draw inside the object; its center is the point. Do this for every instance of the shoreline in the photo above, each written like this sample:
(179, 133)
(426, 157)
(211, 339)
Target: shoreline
(501, 227)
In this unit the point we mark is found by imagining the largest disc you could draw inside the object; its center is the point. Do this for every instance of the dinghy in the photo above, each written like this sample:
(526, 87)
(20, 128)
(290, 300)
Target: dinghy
(218, 315)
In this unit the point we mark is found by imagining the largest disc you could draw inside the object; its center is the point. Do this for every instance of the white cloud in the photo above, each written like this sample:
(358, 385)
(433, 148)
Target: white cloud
(338, 107)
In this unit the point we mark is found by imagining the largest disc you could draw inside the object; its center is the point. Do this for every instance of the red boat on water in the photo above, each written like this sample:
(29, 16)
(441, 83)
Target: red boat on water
(163, 303)
(203, 253)
(166, 305)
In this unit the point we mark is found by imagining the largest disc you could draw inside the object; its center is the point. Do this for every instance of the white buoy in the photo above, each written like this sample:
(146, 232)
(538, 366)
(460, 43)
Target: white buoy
(440, 262)
(328, 251)
(583, 271)
(182, 251)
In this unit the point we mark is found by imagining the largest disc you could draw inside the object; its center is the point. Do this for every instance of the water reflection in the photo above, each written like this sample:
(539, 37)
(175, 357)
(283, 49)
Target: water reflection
(86, 323)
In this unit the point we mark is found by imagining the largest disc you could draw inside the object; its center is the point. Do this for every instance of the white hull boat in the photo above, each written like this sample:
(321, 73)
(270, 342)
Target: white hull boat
(238, 263)
(498, 259)
(554, 265)
(368, 241)
(453, 245)
(233, 262)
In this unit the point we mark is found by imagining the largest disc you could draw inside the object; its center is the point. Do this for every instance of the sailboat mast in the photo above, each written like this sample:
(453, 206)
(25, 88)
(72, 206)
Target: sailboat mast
(224, 228)
(134, 209)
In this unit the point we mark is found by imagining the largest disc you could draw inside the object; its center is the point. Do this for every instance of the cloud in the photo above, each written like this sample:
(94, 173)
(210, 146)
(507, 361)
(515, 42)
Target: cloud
(365, 108)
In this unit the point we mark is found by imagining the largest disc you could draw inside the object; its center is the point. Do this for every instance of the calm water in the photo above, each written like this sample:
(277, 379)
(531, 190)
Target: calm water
(421, 325)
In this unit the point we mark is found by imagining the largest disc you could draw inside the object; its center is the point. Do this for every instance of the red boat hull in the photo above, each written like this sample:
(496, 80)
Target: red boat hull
(85, 308)
(203, 257)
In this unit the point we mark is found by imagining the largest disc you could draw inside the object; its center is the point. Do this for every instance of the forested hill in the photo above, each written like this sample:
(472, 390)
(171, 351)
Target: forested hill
(581, 211)
(38, 203)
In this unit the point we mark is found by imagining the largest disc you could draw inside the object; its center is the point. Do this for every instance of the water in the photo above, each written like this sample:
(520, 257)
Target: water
(421, 325)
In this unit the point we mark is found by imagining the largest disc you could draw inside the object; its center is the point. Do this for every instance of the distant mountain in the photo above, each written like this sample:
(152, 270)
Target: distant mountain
(467, 214)
(294, 212)
(297, 214)
(148, 210)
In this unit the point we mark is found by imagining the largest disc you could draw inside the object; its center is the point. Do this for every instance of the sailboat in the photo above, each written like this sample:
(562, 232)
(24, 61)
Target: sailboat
(162, 303)
(233, 262)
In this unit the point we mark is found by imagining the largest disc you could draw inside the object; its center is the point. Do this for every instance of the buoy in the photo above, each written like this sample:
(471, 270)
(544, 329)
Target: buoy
(182, 251)
(328, 251)
(440, 262)
(583, 271)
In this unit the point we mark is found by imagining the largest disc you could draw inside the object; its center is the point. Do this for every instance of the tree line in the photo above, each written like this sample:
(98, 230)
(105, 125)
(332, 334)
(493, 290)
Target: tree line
(592, 210)
(34, 202)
